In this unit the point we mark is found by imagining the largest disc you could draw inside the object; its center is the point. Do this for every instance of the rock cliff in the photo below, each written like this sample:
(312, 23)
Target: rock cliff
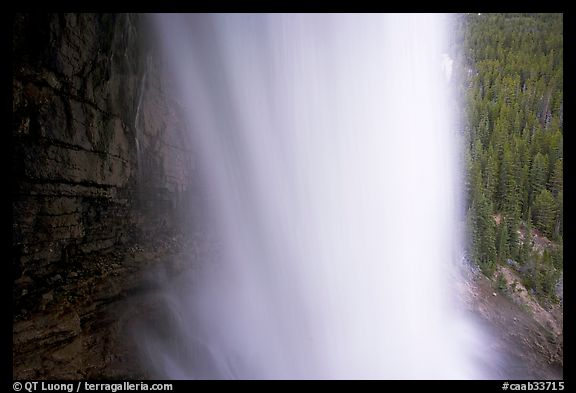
(100, 163)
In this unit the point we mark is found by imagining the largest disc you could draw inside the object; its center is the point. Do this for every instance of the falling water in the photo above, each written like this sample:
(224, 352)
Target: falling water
(328, 159)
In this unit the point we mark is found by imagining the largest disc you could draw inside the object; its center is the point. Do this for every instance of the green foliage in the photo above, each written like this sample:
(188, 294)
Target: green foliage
(503, 249)
(483, 234)
(557, 255)
(542, 277)
(545, 212)
(538, 174)
(501, 283)
(514, 89)
(557, 178)
(527, 244)
(559, 224)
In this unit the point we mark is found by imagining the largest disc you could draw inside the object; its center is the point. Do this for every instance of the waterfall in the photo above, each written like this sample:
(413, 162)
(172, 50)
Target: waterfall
(328, 157)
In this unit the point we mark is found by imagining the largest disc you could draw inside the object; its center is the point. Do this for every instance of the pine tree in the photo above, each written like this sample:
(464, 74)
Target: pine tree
(502, 249)
(484, 244)
(545, 212)
(508, 188)
(557, 178)
(523, 191)
(527, 244)
(491, 173)
(538, 175)
(559, 221)
(515, 106)
(555, 149)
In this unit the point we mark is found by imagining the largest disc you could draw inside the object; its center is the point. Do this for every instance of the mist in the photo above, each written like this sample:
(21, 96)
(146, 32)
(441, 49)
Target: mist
(328, 157)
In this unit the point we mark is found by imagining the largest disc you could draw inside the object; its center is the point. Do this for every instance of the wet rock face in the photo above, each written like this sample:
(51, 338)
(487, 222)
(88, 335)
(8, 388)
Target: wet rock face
(100, 160)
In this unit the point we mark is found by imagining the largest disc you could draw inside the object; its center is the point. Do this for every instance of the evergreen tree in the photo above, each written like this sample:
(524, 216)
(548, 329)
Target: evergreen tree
(545, 212)
(557, 178)
(515, 133)
(559, 222)
(538, 175)
(484, 235)
(502, 248)
(527, 243)
(491, 173)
